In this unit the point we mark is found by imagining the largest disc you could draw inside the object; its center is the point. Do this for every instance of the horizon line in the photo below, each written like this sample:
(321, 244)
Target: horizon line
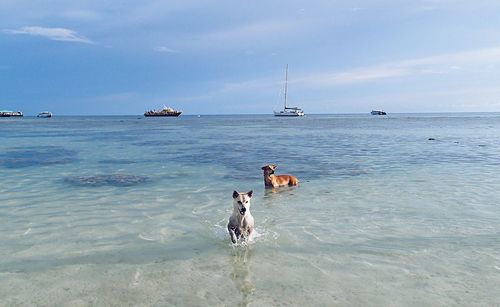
(271, 114)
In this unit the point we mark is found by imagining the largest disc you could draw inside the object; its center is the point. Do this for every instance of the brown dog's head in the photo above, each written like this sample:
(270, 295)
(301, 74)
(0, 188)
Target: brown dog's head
(269, 169)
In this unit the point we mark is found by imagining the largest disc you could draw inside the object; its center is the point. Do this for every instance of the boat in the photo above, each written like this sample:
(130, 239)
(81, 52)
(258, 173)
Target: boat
(288, 111)
(6, 113)
(378, 112)
(166, 111)
(44, 114)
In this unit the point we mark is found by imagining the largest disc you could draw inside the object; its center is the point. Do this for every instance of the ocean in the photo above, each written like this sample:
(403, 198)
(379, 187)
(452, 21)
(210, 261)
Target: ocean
(398, 210)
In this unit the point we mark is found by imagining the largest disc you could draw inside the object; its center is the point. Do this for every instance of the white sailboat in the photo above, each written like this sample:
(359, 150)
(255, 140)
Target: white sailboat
(288, 111)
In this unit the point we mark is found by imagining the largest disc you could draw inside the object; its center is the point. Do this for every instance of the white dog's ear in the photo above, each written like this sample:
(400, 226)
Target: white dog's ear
(249, 193)
(235, 194)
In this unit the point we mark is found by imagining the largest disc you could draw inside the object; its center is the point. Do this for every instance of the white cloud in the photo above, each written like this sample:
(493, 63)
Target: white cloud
(360, 75)
(439, 64)
(458, 63)
(165, 49)
(477, 56)
(58, 34)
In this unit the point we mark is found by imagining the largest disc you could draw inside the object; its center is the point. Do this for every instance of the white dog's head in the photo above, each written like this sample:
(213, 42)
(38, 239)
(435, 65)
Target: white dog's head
(241, 201)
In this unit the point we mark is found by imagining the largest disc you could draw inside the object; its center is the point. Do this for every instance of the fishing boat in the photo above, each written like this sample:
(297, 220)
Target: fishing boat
(378, 112)
(288, 111)
(6, 113)
(166, 111)
(44, 114)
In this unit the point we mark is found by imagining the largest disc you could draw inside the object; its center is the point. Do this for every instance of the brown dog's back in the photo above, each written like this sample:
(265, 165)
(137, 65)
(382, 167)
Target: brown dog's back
(283, 180)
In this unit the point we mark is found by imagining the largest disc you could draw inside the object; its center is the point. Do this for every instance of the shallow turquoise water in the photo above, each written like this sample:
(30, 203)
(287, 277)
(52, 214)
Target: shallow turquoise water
(397, 210)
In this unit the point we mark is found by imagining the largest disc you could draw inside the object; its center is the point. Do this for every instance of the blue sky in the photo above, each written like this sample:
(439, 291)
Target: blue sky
(228, 57)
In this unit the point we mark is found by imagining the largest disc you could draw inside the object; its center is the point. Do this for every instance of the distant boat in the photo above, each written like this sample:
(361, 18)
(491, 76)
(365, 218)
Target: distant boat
(6, 113)
(288, 111)
(166, 111)
(378, 112)
(44, 114)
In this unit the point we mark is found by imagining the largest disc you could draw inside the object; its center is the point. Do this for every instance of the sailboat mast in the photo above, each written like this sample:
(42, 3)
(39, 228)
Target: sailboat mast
(286, 83)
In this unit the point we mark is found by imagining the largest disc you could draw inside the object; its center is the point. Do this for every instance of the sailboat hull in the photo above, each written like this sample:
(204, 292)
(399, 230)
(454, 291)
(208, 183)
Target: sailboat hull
(288, 114)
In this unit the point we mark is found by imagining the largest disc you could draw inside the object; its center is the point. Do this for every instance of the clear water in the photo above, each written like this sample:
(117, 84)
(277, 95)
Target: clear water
(131, 211)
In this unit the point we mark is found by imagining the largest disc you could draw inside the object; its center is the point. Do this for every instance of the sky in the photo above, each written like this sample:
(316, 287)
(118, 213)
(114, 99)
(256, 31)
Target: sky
(101, 57)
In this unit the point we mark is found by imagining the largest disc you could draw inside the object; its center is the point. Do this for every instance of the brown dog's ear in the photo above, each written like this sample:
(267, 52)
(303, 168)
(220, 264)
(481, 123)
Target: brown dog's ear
(249, 193)
(263, 168)
(235, 194)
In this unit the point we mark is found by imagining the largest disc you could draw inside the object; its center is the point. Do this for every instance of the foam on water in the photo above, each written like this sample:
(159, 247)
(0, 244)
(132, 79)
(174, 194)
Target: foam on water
(128, 211)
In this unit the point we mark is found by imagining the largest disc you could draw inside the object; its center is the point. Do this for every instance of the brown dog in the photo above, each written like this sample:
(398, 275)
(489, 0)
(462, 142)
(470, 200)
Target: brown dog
(273, 181)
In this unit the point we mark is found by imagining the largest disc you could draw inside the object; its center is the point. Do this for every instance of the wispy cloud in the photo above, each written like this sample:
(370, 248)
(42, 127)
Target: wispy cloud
(57, 34)
(165, 49)
(360, 75)
(477, 56)
(462, 62)
(439, 64)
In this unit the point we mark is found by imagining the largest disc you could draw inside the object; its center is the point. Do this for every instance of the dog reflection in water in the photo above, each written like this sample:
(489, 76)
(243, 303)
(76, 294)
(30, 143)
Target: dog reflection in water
(241, 274)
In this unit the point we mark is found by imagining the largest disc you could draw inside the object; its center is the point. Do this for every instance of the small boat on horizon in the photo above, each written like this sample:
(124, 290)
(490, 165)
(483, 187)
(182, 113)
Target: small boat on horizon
(166, 111)
(44, 114)
(288, 111)
(378, 112)
(6, 113)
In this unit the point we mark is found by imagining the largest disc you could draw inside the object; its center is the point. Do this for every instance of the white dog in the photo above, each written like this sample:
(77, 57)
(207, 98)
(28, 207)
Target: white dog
(241, 222)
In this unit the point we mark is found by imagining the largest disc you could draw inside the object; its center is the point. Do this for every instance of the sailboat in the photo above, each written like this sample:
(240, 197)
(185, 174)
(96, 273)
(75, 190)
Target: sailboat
(288, 111)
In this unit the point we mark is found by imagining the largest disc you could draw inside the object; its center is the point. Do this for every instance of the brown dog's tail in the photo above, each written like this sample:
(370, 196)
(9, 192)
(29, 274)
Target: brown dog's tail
(293, 181)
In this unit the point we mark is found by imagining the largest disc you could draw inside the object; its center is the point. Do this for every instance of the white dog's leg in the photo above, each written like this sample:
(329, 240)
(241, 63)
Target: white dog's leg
(232, 234)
